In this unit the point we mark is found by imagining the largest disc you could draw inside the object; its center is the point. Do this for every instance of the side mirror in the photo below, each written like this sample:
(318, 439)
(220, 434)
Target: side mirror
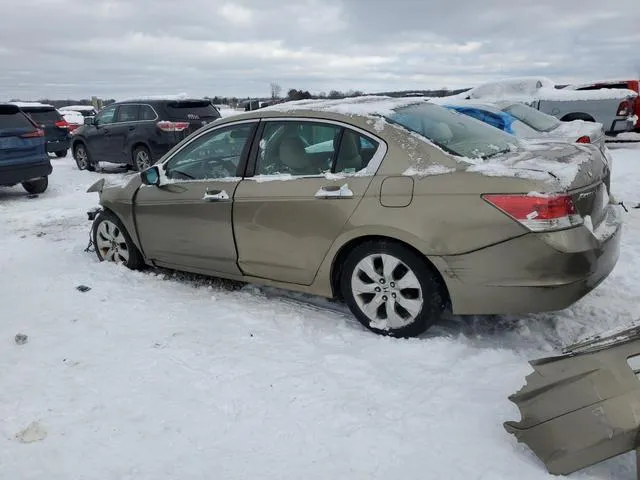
(90, 120)
(151, 176)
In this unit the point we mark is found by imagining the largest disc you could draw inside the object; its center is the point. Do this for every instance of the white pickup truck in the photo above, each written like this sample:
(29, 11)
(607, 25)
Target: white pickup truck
(613, 108)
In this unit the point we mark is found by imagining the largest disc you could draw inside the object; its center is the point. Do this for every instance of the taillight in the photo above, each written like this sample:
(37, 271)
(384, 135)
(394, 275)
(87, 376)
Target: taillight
(539, 212)
(624, 109)
(167, 126)
(584, 139)
(34, 134)
(61, 124)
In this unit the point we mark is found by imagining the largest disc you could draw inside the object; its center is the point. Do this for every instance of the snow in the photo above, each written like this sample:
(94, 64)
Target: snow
(170, 97)
(428, 171)
(527, 89)
(78, 108)
(31, 105)
(73, 117)
(628, 136)
(362, 106)
(157, 375)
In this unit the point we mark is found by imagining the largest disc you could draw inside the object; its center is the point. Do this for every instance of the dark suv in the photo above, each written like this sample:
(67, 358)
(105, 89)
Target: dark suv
(23, 158)
(138, 132)
(56, 128)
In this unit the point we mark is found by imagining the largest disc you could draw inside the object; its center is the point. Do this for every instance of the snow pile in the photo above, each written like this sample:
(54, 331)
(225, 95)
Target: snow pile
(155, 376)
(527, 89)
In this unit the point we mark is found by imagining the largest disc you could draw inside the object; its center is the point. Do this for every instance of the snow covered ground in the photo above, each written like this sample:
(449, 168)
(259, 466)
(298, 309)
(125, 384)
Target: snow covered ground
(154, 375)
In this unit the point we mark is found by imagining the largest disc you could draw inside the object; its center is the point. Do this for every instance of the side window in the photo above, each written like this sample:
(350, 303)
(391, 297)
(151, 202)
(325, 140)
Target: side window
(356, 151)
(147, 113)
(105, 117)
(216, 154)
(127, 113)
(297, 148)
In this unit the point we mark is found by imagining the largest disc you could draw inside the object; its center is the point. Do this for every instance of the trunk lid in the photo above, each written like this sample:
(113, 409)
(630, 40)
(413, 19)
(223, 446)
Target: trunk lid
(14, 147)
(197, 112)
(47, 118)
(582, 171)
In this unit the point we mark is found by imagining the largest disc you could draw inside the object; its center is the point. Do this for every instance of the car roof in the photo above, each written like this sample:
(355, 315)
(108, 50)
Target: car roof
(162, 98)
(77, 108)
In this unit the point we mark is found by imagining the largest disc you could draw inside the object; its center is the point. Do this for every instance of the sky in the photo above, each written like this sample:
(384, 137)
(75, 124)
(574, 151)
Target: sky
(118, 48)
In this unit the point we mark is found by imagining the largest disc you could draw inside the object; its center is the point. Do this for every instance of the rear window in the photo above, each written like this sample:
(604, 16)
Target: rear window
(532, 117)
(600, 86)
(13, 118)
(453, 132)
(41, 116)
(192, 110)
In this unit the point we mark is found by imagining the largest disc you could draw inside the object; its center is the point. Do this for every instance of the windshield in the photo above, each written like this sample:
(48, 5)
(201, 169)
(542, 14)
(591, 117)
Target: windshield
(532, 117)
(43, 116)
(454, 132)
(192, 110)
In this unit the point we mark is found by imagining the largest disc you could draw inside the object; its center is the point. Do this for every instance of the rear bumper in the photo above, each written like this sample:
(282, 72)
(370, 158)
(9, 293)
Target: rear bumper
(58, 145)
(11, 175)
(535, 272)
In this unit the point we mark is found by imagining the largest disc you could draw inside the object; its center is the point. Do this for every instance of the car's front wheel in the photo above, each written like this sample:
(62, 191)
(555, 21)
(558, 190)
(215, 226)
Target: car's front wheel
(82, 158)
(36, 186)
(141, 158)
(113, 243)
(391, 289)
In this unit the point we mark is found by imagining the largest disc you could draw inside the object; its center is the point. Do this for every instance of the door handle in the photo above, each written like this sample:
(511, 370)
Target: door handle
(131, 128)
(334, 192)
(215, 196)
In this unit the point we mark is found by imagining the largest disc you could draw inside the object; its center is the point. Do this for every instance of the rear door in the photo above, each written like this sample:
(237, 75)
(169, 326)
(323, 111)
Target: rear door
(196, 112)
(98, 136)
(20, 140)
(127, 121)
(301, 194)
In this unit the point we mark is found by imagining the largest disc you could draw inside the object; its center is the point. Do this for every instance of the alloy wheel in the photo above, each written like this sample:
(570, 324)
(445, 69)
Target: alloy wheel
(111, 243)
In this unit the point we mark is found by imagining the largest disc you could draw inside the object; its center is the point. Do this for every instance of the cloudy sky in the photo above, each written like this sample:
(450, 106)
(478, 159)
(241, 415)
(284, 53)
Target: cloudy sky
(116, 48)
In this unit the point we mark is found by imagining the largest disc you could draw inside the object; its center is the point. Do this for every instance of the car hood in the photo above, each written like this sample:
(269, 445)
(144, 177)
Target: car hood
(581, 408)
(572, 166)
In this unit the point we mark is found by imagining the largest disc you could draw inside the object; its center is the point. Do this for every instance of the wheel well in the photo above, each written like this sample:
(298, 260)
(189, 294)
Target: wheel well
(336, 267)
(75, 143)
(139, 144)
(578, 116)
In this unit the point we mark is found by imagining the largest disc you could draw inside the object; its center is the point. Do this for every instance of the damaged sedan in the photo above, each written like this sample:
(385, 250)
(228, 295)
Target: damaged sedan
(399, 207)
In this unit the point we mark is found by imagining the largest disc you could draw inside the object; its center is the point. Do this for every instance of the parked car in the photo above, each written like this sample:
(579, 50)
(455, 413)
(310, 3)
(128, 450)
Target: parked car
(633, 85)
(84, 110)
(613, 108)
(74, 119)
(138, 132)
(529, 123)
(56, 129)
(23, 157)
(414, 211)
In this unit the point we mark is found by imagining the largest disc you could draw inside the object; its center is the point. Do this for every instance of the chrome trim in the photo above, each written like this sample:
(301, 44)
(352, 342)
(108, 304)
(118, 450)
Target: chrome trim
(376, 160)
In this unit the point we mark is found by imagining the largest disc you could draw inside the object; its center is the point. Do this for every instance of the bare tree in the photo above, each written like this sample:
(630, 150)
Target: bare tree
(275, 90)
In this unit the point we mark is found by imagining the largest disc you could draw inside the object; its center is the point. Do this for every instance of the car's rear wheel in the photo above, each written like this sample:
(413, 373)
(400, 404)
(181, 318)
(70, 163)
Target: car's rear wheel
(82, 158)
(36, 186)
(113, 243)
(141, 158)
(391, 289)
(61, 153)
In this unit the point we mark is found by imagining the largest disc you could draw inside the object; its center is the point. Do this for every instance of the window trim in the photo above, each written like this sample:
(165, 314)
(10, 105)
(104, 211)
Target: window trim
(115, 111)
(243, 158)
(370, 170)
(136, 121)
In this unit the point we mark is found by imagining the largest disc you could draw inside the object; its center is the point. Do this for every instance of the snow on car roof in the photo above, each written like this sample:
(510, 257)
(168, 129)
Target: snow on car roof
(31, 105)
(72, 116)
(176, 97)
(78, 108)
(538, 88)
(363, 106)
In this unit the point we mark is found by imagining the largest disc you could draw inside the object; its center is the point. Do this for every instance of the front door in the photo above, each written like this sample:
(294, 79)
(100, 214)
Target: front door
(304, 191)
(185, 223)
(98, 135)
(126, 122)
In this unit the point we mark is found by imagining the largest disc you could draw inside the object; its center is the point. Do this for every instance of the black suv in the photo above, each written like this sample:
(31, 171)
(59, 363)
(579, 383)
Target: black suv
(138, 132)
(56, 128)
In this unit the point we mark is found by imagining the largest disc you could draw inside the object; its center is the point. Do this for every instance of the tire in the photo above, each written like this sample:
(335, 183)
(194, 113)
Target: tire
(416, 306)
(141, 158)
(82, 157)
(113, 243)
(36, 186)
(61, 153)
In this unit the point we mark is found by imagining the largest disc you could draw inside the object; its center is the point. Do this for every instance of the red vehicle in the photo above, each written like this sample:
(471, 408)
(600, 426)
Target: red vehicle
(628, 84)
